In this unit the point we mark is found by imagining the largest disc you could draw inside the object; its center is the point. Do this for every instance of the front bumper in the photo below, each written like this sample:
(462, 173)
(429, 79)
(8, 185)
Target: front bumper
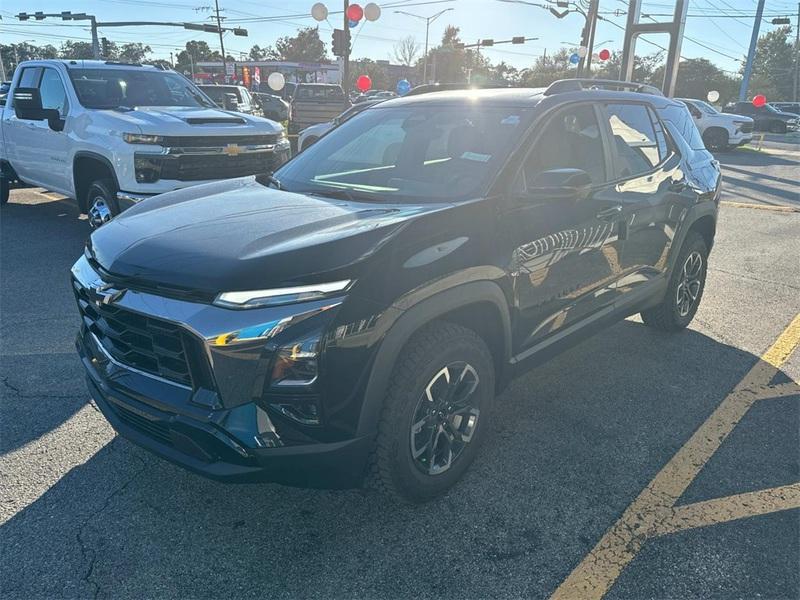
(216, 423)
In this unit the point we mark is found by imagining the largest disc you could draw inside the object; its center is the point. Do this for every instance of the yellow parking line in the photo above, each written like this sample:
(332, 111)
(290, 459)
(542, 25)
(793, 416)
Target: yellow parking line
(770, 207)
(654, 506)
(731, 508)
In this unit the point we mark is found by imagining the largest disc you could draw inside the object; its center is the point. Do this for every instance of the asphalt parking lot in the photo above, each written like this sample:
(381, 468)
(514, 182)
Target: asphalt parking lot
(669, 468)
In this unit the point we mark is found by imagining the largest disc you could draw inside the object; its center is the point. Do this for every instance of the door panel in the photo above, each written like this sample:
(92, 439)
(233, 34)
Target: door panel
(564, 254)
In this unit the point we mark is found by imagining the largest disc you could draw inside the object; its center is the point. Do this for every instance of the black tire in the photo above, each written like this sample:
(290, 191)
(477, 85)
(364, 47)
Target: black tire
(310, 141)
(716, 140)
(101, 202)
(5, 190)
(393, 469)
(673, 314)
(777, 127)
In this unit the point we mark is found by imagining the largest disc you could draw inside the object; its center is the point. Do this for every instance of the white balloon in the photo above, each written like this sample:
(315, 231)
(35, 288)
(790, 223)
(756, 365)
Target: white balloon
(713, 96)
(319, 11)
(583, 51)
(372, 12)
(276, 81)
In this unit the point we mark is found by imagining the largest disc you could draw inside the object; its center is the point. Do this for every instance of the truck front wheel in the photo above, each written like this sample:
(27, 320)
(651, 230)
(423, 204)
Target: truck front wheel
(101, 201)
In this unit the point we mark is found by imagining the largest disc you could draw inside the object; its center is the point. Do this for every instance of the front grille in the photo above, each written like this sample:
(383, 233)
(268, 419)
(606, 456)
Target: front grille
(142, 342)
(746, 128)
(206, 141)
(202, 167)
(158, 430)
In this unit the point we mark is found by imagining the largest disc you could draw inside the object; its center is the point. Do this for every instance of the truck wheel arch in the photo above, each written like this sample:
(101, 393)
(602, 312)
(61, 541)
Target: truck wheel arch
(454, 304)
(83, 175)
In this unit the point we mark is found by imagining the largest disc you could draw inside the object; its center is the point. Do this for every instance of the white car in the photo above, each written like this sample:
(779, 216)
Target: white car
(720, 131)
(110, 135)
(311, 134)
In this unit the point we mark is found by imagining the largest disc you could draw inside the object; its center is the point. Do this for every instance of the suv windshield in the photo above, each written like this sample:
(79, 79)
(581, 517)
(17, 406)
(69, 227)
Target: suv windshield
(410, 153)
(217, 93)
(115, 88)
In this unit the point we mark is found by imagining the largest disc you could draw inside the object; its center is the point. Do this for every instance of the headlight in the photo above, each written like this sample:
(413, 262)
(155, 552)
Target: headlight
(278, 296)
(297, 364)
(142, 138)
(740, 123)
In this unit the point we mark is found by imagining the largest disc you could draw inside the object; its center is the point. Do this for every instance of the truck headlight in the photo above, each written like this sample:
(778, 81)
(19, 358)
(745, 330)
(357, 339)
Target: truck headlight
(278, 296)
(142, 138)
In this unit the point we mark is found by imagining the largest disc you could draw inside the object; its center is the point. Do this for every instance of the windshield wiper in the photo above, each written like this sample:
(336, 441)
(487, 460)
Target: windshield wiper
(268, 179)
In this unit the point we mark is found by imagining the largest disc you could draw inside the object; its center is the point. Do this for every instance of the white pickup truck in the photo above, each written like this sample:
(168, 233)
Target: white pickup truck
(110, 135)
(720, 131)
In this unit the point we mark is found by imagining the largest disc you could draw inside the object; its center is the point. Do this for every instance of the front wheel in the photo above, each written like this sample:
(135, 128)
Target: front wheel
(435, 415)
(716, 140)
(684, 290)
(101, 200)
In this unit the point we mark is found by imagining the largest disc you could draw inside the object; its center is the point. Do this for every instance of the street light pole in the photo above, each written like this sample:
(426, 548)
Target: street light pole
(428, 21)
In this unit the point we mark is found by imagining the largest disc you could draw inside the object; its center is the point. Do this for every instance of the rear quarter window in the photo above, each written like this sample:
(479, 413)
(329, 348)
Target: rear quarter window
(678, 115)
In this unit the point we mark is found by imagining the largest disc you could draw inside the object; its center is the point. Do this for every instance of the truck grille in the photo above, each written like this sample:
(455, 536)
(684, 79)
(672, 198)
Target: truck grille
(201, 167)
(157, 430)
(746, 128)
(142, 342)
(204, 141)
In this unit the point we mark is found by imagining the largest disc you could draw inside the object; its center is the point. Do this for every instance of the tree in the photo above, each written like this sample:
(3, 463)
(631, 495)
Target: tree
(10, 54)
(697, 77)
(195, 51)
(306, 46)
(376, 72)
(773, 66)
(643, 67)
(135, 52)
(259, 53)
(549, 68)
(71, 49)
(406, 50)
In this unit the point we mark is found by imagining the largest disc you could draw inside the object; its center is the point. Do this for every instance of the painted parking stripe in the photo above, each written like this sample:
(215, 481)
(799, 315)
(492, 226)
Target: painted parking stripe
(655, 506)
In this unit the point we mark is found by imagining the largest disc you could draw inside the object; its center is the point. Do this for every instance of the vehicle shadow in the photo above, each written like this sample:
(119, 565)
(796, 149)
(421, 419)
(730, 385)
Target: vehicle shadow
(574, 442)
(748, 157)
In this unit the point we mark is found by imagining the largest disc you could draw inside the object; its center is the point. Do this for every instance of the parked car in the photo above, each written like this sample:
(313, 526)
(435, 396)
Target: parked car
(720, 131)
(314, 103)
(787, 107)
(311, 134)
(4, 87)
(233, 97)
(111, 135)
(767, 118)
(352, 317)
(273, 107)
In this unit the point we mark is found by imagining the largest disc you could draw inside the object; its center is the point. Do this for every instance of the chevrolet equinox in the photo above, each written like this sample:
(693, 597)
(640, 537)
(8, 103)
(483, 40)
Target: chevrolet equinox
(350, 318)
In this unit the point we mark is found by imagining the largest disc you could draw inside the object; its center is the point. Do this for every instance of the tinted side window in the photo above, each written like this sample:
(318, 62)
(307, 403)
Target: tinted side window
(683, 122)
(570, 140)
(634, 139)
(53, 93)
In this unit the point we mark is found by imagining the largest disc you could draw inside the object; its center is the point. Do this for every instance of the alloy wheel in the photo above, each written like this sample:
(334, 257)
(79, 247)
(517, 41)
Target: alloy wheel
(445, 418)
(690, 283)
(99, 213)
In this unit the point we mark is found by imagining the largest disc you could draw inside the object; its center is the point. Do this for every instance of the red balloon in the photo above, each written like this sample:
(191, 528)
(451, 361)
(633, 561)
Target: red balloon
(363, 83)
(604, 54)
(759, 100)
(355, 13)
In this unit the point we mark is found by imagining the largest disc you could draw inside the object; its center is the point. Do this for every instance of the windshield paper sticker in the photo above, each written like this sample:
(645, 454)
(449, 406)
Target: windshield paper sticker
(476, 157)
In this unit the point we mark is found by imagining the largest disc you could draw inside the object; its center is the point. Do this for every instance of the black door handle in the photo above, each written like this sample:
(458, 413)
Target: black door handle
(609, 214)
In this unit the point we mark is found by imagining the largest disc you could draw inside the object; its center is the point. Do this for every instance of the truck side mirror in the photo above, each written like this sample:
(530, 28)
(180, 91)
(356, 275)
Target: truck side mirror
(28, 107)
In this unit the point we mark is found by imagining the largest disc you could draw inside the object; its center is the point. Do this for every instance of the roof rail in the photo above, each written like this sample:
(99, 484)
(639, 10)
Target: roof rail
(122, 63)
(576, 85)
(426, 88)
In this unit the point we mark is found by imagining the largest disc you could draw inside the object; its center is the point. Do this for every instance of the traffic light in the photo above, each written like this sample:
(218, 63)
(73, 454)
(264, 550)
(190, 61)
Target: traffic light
(240, 32)
(341, 42)
(23, 16)
(782, 21)
(489, 42)
(38, 15)
(519, 39)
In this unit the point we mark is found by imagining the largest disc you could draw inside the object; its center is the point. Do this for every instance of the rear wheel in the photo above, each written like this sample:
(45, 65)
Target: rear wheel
(5, 190)
(684, 290)
(101, 202)
(435, 414)
(716, 139)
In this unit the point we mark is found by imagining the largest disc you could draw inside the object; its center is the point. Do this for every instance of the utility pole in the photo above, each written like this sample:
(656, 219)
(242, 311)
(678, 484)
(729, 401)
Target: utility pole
(587, 39)
(796, 53)
(748, 67)
(346, 53)
(221, 42)
(428, 21)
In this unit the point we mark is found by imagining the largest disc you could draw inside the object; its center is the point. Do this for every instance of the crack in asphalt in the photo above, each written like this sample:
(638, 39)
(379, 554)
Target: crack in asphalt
(20, 394)
(87, 552)
(752, 278)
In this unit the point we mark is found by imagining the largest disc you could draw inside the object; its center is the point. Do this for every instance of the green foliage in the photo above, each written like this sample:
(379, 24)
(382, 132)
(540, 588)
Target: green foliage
(697, 77)
(306, 46)
(774, 64)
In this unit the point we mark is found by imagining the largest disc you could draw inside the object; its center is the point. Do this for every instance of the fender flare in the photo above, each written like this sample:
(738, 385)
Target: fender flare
(695, 213)
(410, 321)
(94, 156)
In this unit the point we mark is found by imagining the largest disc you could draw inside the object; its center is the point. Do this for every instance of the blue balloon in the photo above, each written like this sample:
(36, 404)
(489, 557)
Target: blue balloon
(403, 87)
(574, 58)
(352, 24)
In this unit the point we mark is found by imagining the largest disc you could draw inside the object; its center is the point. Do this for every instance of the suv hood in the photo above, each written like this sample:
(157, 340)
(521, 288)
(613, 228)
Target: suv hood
(164, 120)
(240, 235)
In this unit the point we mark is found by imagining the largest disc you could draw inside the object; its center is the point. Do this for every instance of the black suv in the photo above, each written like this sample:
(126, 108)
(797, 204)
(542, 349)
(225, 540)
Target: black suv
(767, 117)
(352, 316)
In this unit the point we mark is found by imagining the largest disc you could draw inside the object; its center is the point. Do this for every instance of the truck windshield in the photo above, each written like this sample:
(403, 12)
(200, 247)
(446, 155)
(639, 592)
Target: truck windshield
(410, 153)
(115, 88)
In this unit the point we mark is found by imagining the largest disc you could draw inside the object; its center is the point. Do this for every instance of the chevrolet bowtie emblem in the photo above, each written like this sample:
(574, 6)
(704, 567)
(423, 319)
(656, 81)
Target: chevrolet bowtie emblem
(104, 293)
(232, 149)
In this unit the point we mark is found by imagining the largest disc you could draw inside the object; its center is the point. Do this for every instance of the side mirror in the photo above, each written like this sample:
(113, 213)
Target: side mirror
(28, 107)
(561, 184)
(230, 102)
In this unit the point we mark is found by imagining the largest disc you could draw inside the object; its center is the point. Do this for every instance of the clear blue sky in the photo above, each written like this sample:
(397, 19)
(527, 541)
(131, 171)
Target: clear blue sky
(724, 26)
